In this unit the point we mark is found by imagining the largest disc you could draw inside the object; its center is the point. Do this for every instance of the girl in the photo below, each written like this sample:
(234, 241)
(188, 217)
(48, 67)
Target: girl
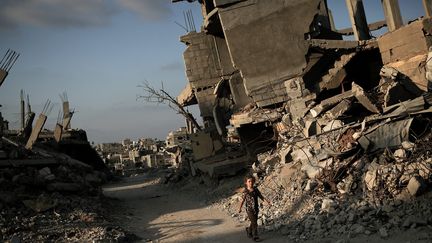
(250, 196)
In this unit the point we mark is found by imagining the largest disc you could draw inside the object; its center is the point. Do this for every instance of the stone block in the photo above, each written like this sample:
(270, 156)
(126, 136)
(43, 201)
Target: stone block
(415, 185)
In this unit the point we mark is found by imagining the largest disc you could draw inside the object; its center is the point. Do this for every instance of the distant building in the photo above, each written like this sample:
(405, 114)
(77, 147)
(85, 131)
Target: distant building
(178, 138)
(110, 148)
(134, 155)
(127, 142)
(154, 160)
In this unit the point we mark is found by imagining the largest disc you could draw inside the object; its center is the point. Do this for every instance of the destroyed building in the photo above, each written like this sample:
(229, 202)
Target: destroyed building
(252, 71)
(335, 123)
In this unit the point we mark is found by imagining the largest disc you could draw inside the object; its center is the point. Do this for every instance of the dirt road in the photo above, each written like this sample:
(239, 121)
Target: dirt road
(158, 213)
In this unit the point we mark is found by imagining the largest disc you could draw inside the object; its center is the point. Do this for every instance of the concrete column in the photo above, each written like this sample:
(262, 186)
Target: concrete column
(392, 14)
(22, 105)
(332, 24)
(36, 131)
(358, 19)
(66, 115)
(66, 121)
(58, 132)
(29, 125)
(3, 75)
(427, 4)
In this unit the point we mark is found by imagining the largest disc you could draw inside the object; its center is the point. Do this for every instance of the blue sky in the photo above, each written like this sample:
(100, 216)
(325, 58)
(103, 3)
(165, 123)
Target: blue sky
(98, 57)
(99, 51)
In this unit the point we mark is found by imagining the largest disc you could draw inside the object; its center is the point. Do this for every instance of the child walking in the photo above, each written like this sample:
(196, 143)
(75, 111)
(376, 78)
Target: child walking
(250, 196)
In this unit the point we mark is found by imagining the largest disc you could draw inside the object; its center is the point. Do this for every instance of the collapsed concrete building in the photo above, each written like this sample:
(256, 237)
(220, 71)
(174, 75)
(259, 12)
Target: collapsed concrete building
(258, 67)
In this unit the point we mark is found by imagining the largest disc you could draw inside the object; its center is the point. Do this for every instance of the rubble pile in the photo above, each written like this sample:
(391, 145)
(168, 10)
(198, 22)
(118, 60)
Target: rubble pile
(355, 163)
(48, 196)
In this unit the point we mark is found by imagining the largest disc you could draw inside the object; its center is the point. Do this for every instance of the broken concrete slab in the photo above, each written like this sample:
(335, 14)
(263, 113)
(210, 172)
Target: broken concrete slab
(298, 107)
(295, 87)
(338, 110)
(363, 98)
(223, 164)
(333, 125)
(328, 205)
(406, 107)
(337, 74)
(415, 185)
(40, 204)
(330, 102)
(386, 136)
(389, 72)
(254, 116)
(311, 128)
(370, 178)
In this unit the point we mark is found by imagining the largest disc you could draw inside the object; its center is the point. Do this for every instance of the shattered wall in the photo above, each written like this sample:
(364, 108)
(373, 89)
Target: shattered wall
(406, 49)
(206, 62)
(265, 44)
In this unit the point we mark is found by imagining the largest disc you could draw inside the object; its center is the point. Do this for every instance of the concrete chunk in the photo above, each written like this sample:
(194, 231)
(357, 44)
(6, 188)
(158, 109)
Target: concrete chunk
(363, 99)
(414, 185)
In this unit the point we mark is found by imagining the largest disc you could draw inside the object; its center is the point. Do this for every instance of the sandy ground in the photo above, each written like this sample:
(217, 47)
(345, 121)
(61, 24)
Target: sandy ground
(157, 213)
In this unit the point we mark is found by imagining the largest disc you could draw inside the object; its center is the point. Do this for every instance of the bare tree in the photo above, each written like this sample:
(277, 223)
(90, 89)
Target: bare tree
(161, 96)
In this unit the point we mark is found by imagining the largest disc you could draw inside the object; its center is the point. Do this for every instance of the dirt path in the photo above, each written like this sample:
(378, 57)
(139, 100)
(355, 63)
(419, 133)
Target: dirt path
(156, 213)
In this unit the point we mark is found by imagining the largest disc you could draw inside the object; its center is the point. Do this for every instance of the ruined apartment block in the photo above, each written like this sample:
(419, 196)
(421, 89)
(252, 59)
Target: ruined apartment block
(260, 65)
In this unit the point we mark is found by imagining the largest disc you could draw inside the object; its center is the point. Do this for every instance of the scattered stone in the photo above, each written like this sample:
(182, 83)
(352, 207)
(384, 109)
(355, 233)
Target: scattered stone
(408, 145)
(310, 185)
(383, 232)
(41, 204)
(328, 206)
(400, 155)
(64, 187)
(414, 185)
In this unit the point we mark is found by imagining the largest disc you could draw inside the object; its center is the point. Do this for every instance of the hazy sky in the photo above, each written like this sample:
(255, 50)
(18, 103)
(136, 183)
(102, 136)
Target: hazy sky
(99, 51)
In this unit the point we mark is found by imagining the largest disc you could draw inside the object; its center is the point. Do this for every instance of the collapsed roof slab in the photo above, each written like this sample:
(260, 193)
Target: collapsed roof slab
(266, 40)
(187, 96)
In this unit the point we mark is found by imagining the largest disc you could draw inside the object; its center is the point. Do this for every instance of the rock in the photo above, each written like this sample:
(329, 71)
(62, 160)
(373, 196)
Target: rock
(41, 204)
(93, 179)
(8, 197)
(415, 185)
(15, 239)
(22, 179)
(383, 232)
(285, 155)
(310, 185)
(3, 154)
(370, 176)
(351, 217)
(260, 222)
(345, 185)
(400, 155)
(333, 125)
(63, 186)
(414, 221)
(387, 208)
(328, 205)
(357, 229)
(408, 145)
(44, 172)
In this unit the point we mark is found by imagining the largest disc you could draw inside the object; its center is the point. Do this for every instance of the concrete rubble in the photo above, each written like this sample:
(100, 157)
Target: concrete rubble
(337, 131)
(50, 182)
(46, 195)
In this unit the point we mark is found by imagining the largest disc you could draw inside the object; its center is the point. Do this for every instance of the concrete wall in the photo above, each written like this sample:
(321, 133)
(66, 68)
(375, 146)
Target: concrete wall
(266, 40)
(207, 60)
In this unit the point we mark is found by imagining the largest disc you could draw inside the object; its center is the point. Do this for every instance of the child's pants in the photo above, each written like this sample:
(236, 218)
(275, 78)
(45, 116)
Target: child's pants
(253, 227)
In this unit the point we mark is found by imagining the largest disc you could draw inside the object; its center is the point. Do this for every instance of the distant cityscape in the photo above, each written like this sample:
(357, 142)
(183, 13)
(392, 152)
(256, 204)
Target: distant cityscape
(129, 155)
